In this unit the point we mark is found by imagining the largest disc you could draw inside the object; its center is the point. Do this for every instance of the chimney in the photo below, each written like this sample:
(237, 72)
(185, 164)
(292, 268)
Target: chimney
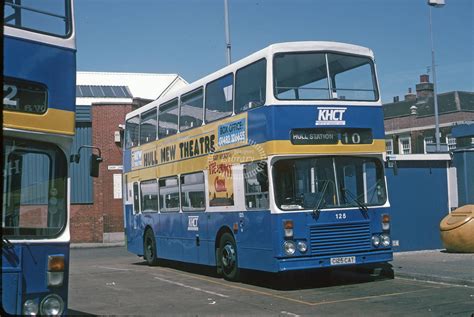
(424, 89)
(410, 96)
(396, 99)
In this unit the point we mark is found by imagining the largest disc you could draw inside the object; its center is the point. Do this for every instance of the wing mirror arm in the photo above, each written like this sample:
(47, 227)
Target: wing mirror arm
(95, 159)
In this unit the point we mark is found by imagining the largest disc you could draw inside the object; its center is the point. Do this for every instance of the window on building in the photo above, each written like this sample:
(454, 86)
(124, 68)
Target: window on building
(149, 195)
(193, 197)
(169, 194)
(405, 145)
(168, 119)
(132, 132)
(148, 126)
(191, 110)
(389, 146)
(451, 141)
(219, 99)
(256, 185)
(250, 84)
(427, 140)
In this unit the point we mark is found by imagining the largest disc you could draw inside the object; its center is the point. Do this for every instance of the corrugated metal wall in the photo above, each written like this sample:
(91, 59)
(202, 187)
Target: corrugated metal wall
(35, 178)
(81, 182)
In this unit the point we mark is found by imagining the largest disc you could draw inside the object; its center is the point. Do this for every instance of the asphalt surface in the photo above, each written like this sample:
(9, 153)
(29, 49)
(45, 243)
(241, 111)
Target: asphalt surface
(111, 281)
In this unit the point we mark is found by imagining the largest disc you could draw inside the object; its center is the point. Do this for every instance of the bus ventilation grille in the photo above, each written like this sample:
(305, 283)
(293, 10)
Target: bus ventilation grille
(340, 238)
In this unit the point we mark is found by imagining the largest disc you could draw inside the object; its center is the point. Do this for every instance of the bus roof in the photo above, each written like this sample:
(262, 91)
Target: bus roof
(265, 52)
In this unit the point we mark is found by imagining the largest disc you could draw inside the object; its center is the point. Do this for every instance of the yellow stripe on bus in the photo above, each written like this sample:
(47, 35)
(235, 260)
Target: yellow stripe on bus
(53, 121)
(252, 153)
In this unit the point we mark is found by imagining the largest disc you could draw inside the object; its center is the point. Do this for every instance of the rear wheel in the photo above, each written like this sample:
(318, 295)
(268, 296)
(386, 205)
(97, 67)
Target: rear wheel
(227, 256)
(149, 248)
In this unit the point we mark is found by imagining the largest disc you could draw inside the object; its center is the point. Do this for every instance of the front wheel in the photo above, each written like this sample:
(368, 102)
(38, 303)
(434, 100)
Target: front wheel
(228, 257)
(149, 248)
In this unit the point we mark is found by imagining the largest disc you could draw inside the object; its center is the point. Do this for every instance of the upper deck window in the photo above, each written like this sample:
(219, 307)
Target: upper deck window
(148, 126)
(132, 132)
(168, 119)
(191, 110)
(250, 84)
(324, 76)
(52, 17)
(219, 99)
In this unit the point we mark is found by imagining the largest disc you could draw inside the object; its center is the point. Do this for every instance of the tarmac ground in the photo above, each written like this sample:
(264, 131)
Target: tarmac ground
(428, 265)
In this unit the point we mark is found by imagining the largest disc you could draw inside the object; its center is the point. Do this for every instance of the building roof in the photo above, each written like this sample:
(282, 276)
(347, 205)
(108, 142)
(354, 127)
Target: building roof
(447, 102)
(139, 85)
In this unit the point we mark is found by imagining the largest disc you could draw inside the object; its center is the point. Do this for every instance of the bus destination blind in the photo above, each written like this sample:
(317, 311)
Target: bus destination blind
(315, 136)
(23, 96)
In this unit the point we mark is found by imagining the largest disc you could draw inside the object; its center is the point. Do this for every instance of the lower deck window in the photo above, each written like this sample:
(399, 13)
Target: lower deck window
(193, 197)
(256, 185)
(169, 194)
(149, 196)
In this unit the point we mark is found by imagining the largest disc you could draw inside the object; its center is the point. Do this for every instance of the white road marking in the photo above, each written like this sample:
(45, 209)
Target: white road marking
(289, 314)
(191, 287)
(111, 268)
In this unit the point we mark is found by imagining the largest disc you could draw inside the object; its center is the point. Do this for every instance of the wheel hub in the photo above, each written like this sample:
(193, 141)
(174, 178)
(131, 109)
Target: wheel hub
(228, 256)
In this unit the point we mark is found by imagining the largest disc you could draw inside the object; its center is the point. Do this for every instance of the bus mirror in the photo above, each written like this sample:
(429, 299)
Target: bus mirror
(94, 165)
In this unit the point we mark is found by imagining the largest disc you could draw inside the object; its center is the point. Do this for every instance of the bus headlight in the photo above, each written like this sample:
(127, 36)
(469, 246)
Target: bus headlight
(52, 305)
(289, 247)
(385, 240)
(302, 247)
(375, 240)
(30, 307)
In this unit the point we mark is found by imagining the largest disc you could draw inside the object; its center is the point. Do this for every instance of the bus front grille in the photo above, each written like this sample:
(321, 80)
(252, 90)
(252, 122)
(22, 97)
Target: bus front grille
(340, 238)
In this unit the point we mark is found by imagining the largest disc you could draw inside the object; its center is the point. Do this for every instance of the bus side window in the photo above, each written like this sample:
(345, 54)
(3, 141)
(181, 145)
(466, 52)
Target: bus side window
(256, 185)
(168, 119)
(169, 194)
(219, 98)
(250, 84)
(190, 111)
(193, 197)
(136, 198)
(148, 126)
(132, 134)
(149, 195)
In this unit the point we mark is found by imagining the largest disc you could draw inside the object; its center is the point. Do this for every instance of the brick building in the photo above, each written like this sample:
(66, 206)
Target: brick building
(410, 123)
(102, 101)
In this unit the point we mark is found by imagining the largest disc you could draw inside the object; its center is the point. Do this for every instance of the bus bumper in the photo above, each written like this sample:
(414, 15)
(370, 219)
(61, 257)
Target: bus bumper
(311, 262)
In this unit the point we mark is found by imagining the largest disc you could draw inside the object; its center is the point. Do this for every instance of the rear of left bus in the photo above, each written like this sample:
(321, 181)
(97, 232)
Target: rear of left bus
(38, 127)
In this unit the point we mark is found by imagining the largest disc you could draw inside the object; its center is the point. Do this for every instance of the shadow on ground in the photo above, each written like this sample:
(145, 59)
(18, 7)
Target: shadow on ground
(294, 280)
(72, 312)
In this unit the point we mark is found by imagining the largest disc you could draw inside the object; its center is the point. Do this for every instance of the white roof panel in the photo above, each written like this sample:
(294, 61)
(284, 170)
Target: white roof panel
(141, 85)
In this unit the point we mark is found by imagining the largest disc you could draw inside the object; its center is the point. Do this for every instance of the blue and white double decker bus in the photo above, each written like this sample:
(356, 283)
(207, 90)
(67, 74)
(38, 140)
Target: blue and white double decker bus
(273, 163)
(38, 126)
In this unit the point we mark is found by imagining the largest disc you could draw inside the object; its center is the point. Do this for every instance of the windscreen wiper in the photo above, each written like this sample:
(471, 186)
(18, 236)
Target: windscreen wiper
(6, 243)
(319, 204)
(362, 206)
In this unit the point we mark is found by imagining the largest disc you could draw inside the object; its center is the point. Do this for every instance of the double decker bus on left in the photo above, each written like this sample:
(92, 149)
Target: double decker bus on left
(38, 130)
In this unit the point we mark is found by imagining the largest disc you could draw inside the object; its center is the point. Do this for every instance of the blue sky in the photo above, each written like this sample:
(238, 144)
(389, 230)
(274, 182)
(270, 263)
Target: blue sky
(187, 36)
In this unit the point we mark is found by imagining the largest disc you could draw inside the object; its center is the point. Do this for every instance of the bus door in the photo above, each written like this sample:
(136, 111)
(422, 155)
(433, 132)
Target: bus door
(11, 254)
(134, 221)
(193, 220)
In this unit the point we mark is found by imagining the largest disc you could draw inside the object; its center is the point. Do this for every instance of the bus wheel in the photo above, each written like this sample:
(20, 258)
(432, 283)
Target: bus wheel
(228, 257)
(149, 248)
